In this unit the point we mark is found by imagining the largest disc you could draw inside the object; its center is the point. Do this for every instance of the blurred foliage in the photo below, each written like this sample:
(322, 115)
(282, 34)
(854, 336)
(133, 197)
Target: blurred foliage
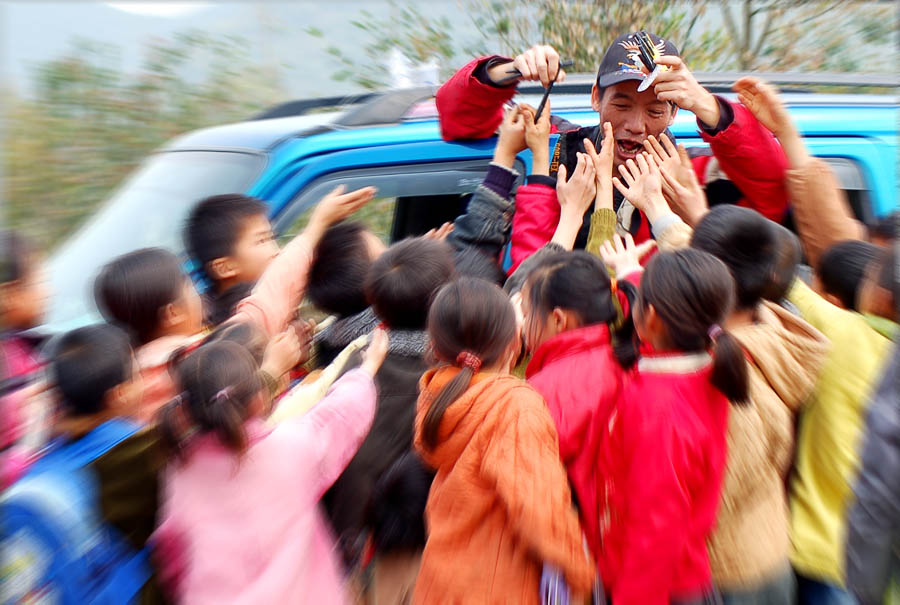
(824, 35)
(90, 123)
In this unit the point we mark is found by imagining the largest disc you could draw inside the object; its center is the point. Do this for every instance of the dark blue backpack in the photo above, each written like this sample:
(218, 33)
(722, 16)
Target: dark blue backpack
(54, 545)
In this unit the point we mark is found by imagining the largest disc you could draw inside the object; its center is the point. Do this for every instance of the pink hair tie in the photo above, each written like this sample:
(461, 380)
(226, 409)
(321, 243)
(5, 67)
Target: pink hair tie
(470, 360)
(715, 331)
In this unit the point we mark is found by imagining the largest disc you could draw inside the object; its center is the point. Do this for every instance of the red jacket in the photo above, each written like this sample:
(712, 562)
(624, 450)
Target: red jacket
(663, 463)
(581, 381)
(747, 153)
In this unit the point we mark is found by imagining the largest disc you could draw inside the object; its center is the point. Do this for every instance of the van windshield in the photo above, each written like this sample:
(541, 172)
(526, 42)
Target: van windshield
(147, 210)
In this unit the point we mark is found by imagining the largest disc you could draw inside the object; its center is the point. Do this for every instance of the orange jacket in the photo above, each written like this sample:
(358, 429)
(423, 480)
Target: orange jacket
(500, 504)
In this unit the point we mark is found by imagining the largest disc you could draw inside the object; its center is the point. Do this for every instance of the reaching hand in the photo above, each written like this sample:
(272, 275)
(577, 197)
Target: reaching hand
(539, 62)
(644, 186)
(623, 256)
(337, 205)
(440, 234)
(603, 164)
(764, 103)
(376, 352)
(537, 134)
(576, 193)
(688, 202)
(282, 353)
(676, 163)
(512, 137)
(678, 85)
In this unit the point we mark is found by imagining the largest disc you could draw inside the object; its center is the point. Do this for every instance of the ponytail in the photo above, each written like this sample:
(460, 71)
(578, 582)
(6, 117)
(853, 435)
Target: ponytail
(729, 371)
(622, 332)
(219, 380)
(450, 393)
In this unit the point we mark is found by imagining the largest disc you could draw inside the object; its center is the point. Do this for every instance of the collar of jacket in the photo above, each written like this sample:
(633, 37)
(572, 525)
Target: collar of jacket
(567, 344)
(680, 363)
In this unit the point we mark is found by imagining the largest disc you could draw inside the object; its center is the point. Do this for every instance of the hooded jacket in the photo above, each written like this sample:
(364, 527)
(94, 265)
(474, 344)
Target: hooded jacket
(751, 542)
(500, 504)
(577, 374)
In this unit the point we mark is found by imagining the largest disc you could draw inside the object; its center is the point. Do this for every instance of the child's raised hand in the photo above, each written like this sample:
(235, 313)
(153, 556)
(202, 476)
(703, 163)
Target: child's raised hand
(337, 205)
(440, 234)
(575, 193)
(642, 186)
(282, 353)
(512, 137)
(764, 103)
(688, 202)
(603, 163)
(376, 352)
(537, 133)
(623, 256)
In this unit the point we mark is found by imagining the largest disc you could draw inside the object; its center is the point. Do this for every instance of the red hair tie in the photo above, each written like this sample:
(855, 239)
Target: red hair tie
(623, 303)
(470, 360)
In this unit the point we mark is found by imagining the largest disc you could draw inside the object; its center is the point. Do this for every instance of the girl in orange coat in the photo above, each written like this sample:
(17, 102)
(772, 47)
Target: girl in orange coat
(500, 504)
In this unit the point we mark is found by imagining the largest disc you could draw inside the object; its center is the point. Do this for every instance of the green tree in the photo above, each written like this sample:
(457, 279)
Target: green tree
(90, 123)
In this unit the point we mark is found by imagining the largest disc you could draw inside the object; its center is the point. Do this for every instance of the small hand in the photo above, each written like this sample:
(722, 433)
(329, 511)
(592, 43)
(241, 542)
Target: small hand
(282, 353)
(512, 137)
(764, 103)
(337, 205)
(643, 186)
(603, 164)
(623, 256)
(440, 234)
(576, 193)
(376, 352)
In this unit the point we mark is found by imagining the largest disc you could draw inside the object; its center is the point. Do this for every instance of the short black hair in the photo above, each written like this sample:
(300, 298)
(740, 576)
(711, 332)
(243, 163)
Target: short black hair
(471, 262)
(397, 509)
(338, 272)
(16, 256)
(402, 282)
(788, 257)
(214, 225)
(886, 227)
(746, 242)
(132, 288)
(86, 363)
(842, 269)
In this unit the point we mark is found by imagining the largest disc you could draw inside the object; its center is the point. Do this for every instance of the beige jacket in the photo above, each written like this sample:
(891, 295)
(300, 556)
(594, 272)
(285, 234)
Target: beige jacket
(751, 542)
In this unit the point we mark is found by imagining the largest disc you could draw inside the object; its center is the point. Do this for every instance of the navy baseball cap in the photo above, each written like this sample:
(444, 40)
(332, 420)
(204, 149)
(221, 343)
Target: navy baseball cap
(622, 60)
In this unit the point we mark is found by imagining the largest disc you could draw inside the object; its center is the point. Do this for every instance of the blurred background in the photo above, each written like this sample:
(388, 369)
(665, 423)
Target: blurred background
(90, 88)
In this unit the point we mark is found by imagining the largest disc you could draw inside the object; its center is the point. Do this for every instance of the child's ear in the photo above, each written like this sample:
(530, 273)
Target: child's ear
(171, 316)
(560, 320)
(222, 268)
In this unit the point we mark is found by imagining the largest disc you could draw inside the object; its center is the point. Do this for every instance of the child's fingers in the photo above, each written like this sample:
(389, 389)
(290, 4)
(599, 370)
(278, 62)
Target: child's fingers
(648, 146)
(668, 145)
(660, 153)
(745, 83)
(618, 185)
(642, 164)
(561, 175)
(629, 241)
(683, 155)
(642, 249)
(629, 172)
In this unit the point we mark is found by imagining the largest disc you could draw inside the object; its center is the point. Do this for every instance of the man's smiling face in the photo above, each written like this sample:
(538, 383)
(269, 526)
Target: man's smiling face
(634, 117)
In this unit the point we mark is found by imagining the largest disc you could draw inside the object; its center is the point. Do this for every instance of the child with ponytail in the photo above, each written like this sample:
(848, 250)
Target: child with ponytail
(664, 456)
(241, 520)
(500, 505)
(579, 331)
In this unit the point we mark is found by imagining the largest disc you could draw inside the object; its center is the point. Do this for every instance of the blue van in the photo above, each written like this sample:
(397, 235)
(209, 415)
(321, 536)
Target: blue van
(295, 153)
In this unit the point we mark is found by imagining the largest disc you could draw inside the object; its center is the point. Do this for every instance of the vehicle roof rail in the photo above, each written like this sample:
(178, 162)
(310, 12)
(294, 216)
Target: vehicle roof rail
(305, 106)
(581, 83)
(385, 108)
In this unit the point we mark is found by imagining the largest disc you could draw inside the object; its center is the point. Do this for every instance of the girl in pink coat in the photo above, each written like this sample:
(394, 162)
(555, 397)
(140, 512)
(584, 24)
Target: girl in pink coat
(241, 522)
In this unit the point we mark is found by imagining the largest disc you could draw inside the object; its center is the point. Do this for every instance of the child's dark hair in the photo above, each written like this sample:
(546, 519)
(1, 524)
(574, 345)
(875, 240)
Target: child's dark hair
(402, 282)
(471, 262)
(338, 272)
(787, 257)
(245, 333)
(693, 294)
(746, 242)
(215, 223)
(222, 306)
(218, 382)
(132, 289)
(842, 269)
(886, 227)
(86, 363)
(471, 325)
(579, 282)
(396, 511)
(16, 257)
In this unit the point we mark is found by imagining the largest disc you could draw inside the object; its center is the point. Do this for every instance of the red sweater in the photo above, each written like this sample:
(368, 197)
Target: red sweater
(747, 153)
(663, 464)
(581, 381)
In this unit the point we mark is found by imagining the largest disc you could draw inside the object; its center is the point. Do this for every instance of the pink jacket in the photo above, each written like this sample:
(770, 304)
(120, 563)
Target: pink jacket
(16, 359)
(249, 529)
(271, 306)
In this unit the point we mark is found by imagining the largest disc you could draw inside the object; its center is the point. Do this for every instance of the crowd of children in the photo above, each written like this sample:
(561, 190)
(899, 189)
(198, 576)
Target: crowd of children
(653, 406)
